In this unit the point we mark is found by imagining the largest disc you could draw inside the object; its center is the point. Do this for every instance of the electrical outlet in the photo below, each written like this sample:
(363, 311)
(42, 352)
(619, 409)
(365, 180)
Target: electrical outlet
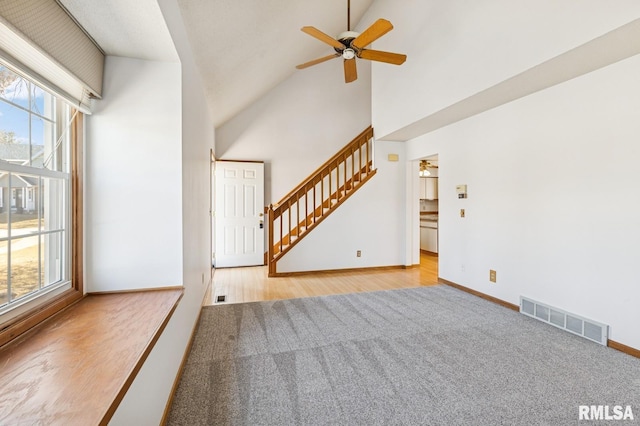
(461, 268)
(359, 253)
(492, 275)
(203, 278)
(461, 212)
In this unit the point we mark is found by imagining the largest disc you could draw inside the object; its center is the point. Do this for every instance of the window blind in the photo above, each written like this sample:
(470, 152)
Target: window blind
(40, 39)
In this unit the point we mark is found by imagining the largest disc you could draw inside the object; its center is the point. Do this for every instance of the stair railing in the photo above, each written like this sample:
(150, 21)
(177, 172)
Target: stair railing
(302, 209)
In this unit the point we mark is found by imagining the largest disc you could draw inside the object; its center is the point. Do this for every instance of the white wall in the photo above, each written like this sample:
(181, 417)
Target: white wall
(299, 125)
(133, 178)
(458, 48)
(552, 183)
(372, 221)
(145, 401)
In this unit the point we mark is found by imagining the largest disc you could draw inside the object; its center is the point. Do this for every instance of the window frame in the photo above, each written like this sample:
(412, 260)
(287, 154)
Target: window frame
(22, 323)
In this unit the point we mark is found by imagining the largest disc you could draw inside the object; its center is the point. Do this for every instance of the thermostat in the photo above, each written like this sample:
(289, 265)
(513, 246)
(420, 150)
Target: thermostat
(461, 190)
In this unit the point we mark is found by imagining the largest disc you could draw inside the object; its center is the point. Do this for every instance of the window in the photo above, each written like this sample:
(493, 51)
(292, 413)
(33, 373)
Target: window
(36, 229)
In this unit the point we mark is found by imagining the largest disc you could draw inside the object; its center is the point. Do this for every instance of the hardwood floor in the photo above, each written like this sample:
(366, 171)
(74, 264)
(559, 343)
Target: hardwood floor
(252, 284)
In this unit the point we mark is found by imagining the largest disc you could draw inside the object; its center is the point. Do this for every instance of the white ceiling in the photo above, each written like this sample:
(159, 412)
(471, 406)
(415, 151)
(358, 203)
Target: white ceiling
(242, 48)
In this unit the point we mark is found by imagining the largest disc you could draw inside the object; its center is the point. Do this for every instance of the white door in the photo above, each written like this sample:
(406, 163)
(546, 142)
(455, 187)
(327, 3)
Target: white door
(239, 214)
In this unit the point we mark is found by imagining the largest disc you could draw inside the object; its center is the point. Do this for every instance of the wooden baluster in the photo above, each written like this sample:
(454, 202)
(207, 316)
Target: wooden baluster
(298, 215)
(270, 254)
(330, 191)
(338, 180)
(281, 226)
(289, 217)
(360, 160)
(321, 195)
(353, 168)
(367, 150)
(345, 175)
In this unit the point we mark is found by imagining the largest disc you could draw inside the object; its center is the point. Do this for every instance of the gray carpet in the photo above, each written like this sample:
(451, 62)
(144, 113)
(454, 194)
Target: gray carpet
(423, 356)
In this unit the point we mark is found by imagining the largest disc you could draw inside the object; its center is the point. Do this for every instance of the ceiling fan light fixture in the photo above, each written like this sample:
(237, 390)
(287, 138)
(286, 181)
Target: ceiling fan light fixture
(423, 169)
(348, 53)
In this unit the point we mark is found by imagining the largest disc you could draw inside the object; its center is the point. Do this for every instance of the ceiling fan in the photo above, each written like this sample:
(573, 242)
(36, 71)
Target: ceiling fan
(424, 166)
(351, 45)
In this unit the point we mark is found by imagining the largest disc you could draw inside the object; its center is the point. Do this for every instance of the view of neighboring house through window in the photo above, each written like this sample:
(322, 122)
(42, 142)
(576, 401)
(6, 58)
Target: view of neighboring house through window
(34, 191)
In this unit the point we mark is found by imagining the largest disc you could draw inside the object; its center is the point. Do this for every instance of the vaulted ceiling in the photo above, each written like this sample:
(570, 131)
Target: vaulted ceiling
(242, 48)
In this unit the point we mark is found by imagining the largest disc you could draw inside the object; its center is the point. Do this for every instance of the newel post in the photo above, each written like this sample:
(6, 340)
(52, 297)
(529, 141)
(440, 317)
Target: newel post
(270, 240)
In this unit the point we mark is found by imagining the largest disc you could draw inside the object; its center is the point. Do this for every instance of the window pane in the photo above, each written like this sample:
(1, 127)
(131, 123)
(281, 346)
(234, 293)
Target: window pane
(24, 266)
(45, 152)
(34, 209)
(51, 258)
(53, 201)
(5, 202)
(43, 143)
(37, 141)
(3, 273)
(4, 232)
(24, 203)
(14, 134)
(13, 87)
(42, 103)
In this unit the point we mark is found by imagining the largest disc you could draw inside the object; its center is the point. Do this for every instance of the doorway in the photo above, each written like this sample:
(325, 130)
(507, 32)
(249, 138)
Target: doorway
(239, 213)
(429, 209)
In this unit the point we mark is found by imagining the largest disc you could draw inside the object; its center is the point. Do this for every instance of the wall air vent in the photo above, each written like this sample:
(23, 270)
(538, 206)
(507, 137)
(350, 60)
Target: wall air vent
(572, 323)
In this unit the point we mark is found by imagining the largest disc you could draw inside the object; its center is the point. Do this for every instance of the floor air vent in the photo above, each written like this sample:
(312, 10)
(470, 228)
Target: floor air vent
(575, 324)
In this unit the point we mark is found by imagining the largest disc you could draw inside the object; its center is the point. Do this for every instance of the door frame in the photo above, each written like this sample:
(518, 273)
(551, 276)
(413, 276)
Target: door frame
(412, 247)
(212, 206)
(262, 208)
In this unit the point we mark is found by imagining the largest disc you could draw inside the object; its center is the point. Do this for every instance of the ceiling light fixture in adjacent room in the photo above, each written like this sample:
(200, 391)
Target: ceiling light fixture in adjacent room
(423, 169)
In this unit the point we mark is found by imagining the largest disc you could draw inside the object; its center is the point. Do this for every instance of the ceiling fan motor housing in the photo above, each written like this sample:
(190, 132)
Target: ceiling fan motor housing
(346, 38)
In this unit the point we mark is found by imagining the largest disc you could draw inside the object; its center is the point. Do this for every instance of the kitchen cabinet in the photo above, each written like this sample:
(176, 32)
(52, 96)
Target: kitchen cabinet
(429, 188)
(429, 236)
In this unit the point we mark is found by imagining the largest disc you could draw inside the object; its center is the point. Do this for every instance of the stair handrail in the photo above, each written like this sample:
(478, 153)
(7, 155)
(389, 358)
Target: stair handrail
(365, 135)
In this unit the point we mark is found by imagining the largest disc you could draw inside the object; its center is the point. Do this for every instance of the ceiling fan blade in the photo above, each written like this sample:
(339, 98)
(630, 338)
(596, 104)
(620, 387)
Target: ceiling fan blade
(380, 56)
(317, 61)
(350, 72)
(374, 32)
(314, 32)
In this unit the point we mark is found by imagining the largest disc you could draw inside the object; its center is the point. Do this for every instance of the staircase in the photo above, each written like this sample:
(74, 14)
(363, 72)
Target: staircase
(293, 217)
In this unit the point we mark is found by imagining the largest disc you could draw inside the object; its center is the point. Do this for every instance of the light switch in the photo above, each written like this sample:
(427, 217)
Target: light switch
(461, 212)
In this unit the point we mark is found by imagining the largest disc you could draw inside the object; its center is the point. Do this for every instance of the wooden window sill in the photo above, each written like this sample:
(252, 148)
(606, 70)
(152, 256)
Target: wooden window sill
(76, 367)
